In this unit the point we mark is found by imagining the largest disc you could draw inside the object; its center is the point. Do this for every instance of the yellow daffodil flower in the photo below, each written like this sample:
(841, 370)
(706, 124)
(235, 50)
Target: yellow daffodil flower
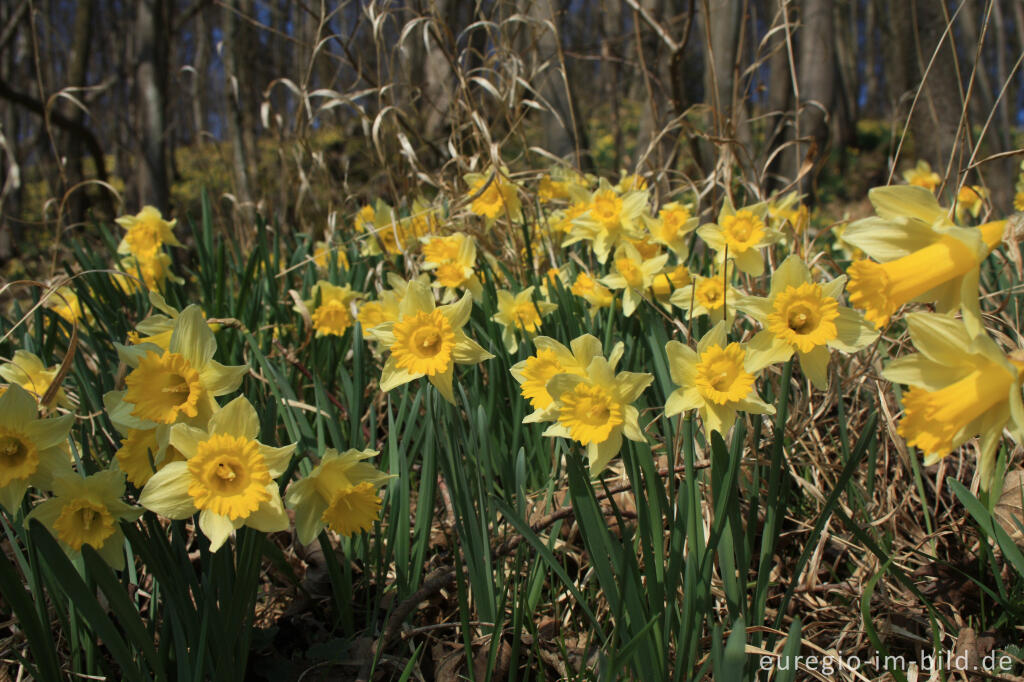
(534, 373)
(803, 317)
(324, 252)
(717, 379)
(176, 384)
(227, 476)
(922, 256)
(519, 311)
(633, 275)
(340, 493)
(158, 328)
(26, 370)
(453, 268)
(88, 511)
(610, 218)
(495, 196)
(969, 201)
(428, 341)
(595, 409)
(31, 449)
(673, 227)
(922, 175)
(666, 283)
(962, 385)
(741, 235)
(153, 269)
(65, 302)
(333, 315)
(146, 232)
(709, 296)
(595, 293)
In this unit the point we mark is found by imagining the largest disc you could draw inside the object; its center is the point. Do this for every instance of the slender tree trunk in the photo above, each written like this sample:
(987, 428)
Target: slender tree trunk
(935, 121)
(78, 64)
(233, 119)
(722, 21)
(816, 78)
(150, 75)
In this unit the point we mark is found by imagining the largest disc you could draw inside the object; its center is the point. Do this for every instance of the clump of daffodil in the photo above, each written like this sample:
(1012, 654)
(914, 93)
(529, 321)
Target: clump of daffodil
(712, 296)
(519, 311)
(227, 476)
(962, 385)
(595, 293)
(631, 181)
(143, 452)
(332, 316)
(31, 449)
(340, 493)
(633, 274)
(494, 195)
(26, 370)
(65, 302)
(561, 222)
(146, 232)
(804, 317)
(553, 358)
(1018, 198)
(969, 201)
(668, 281)
(158, 327)
(88, 511)
(177, 384)
(610, 218)
(922, 175)
(386, 233)
(922, 256)
(717, 379)
(595, 408)
(673, 227)
(551, 189)
(427, 341)
(452, 260)
(741, 235)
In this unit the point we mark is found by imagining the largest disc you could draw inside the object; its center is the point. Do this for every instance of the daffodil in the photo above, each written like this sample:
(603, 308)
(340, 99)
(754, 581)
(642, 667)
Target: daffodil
(712, 296)
(26, 370)
(633, 274)
(340, 493)
(610, 218)
(741, 235)
(595, 293)
(969, 201)
(154, 269)
(227, 476)
(158, 328)
(387, 307)
(668, 281)
(452, 260)
(519, 311)
(325, 252)
(428, 341)
(962, 385)
(333, 314)
(673, 227)
(553, 358)
(31, 449)
(922, 175)
(143, 452)
(922, 256)
(146, 232)
(177, 384)
(717, 379)
(550, 189)
(788, 209)
(88, 511)
(65, 302)
(596, 410)
(804, 317)
(494, 195)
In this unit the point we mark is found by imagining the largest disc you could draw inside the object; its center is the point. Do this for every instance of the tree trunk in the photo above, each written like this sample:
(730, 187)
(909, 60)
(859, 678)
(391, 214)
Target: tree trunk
(78, 64)
(234, 120)
(816, 77)
(151, 75)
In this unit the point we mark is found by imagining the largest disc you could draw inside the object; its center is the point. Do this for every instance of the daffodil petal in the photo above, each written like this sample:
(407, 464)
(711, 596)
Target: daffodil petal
(166, 492)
